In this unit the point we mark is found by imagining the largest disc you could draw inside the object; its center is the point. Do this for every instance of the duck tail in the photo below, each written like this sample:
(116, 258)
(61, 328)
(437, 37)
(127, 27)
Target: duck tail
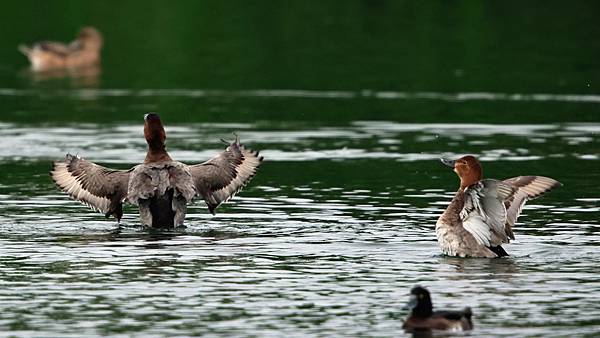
(25, 50)
(498, 250)
(236, 141)
(468, 313)
(469, 322)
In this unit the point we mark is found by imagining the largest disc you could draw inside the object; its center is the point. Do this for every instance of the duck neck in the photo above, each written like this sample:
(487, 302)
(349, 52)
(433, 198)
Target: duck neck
(424, 308)
(157, 153)
(469, 179)
(465, 183)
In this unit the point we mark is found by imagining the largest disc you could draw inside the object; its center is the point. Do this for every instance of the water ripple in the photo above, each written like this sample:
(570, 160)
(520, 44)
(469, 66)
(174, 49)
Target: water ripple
(87, 94)
(326, 241)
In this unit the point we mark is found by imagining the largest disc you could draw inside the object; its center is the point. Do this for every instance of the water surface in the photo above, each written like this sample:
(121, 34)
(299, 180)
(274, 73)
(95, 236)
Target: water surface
(327, 239)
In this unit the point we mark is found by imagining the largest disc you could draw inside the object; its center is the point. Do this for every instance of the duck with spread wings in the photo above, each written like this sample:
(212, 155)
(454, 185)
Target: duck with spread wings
(481, 215)
(160, 187)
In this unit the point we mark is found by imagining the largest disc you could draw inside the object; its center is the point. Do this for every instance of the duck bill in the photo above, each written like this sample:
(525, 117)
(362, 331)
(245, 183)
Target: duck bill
(412, 303)
(151, 117)
(447, 162)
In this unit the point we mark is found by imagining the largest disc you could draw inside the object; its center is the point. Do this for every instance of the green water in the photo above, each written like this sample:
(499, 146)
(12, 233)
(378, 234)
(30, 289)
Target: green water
(351, 103)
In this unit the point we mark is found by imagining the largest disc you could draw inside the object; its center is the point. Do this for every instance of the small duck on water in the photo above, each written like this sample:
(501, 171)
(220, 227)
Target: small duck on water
(481, 215)
(422, 318)
(50, 55)
(160, 187)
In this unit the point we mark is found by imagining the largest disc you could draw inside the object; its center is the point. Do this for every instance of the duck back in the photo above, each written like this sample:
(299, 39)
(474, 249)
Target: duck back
(161, 209)
(161, 190)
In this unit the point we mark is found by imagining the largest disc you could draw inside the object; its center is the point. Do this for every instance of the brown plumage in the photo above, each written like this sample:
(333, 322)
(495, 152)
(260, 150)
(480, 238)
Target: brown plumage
(50, 55)
(481, 215)
(160, 186)
(422, 318)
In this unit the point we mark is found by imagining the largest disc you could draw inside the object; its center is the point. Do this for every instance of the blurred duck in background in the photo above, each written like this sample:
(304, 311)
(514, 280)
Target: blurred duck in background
(82, 52)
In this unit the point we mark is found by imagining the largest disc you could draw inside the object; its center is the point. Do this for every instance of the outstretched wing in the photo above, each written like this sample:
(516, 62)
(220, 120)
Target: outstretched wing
(528, 188)
(484, 213)
(100, 188)
(220, 178)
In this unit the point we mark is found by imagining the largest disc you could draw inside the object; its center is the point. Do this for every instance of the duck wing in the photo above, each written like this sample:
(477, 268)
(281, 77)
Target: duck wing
(53, 47)
(220, 178)
(528, 188)
(100, 188)
(484, 212)
(460, 317)
(454, 315)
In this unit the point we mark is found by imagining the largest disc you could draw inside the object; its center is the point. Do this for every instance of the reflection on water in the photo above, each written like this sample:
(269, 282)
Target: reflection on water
(80, 77)
(331, 249)
(86, 94)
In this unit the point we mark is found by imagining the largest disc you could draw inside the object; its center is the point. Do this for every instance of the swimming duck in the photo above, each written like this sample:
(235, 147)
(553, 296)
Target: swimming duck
(481, 215)
(160, 187)
(83, 51)
(422, 318)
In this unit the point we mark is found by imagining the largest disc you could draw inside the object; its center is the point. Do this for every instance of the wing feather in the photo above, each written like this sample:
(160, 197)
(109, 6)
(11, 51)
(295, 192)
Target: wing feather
(484, 213)
(220, 178)
(492, 207)
(528, 188)
(100, 188)
(53, 47)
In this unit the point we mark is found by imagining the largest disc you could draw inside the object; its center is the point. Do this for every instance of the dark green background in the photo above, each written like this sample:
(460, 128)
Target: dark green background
(409, 46)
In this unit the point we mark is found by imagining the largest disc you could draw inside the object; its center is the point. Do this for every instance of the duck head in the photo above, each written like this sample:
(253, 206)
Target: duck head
(420, 302)
(467, 168)
(90, 38)
(155, 135)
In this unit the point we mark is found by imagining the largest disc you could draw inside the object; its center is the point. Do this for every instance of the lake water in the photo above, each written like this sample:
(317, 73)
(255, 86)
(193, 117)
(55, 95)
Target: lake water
(351, 105)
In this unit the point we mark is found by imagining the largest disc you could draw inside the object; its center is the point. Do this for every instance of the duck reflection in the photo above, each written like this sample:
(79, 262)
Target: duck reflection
(156, 238)
(80, 77)
(505, 267)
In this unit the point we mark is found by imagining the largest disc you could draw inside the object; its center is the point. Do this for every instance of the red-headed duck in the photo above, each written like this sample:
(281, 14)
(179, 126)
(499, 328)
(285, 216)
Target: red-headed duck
(83, 51)
(422, 318)
(160, 187)
(481, 215)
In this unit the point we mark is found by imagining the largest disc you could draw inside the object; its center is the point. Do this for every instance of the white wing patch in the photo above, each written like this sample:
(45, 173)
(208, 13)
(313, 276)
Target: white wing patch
(479, 229)
(484, 213)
